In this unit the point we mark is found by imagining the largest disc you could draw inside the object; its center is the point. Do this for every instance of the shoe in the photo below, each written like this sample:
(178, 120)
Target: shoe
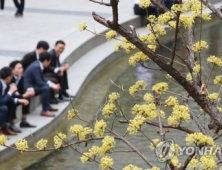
(15, 129)
(53, 101)
(62, 97)
(68, 95)
(47, 114)
(51, 109)
(1, 12)
(18, 14)
(26, 125)
(7, 131)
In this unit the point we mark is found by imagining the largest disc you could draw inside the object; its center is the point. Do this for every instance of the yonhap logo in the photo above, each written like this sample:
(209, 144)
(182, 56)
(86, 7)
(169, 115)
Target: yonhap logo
(165, 150)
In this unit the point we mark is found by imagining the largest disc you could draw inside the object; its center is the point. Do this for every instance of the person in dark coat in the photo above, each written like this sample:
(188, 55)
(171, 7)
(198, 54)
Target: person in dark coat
(7, 100)
(34, 79)
(30, 57)
(17, 79)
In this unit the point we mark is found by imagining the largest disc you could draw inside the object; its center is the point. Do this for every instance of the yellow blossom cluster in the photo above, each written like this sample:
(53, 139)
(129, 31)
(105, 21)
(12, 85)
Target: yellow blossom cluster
(22, 145)
(218, 80)
(208, 162)
(152, 47)
(73, 113)
(189, 77)
(135, 124)
(99, 128)
(155, 142)
(147, 111)
(113, 96)
(186, 20)
(194, 163)
(148, 98)
(85, 157)
(165, 18)
(138, 57)
(78, 130)
(214, 60)
(82, 26)
(169, 77)
(139, 85)
(144, 3)
(108, 109)
(199, 46)
(213, 97)
(58, 140)
(154, 168)
(132, 167)
(175, 161)
(118, 46)
(196, 69)
(108, 143)
(150, 39)
(128, 47)
(151, 18)
(106, 162)
(172, 24)
(111, 35)
(3, 140)
(176, 8)
(180, 114)
(41, 144)
(171, 102)
(157, 28)
(160, 88)
(199, 139)
(94, 150)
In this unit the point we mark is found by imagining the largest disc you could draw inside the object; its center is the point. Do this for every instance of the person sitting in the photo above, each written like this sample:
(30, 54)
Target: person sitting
(17, 78)
(30, 57)
(7, 100)
(58, 71)
(151, 10)
(33, 79)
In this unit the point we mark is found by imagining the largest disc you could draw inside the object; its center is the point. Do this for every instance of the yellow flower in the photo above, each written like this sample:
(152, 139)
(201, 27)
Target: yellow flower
(113, 97)
(154, 168)
(139, 85)
(99, 128)
(73, 113)
(213, 97)
(214, 60)
(171, 101)
(41, 144)
(187, 21)
(151, 18)
(135, 124)
(199, 139)
(22, 145)
(106, 162)
(132, 167)
(200, 45)
(144, 3)
(180, 114)
(189, 77)
(152, 47)
(117, 46)
(58, 140)
(194, 163)
(111, 35)
(85, 157)
(172, 24)
(148, 98)
(206, 16)
(127, 45)
(196, 69)
(137, 58)
(164, 18)
(108, 143)
(160, 88)
(108, 109)
(175, 161)
(94, 150)
(169, 77)
(78, 130)
(208, 162)
(155, 141)
(176, 8)
(82, 26)
(3, 140)
(218, 80)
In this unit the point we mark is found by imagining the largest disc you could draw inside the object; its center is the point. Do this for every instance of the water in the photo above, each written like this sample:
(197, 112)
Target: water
(93, 98)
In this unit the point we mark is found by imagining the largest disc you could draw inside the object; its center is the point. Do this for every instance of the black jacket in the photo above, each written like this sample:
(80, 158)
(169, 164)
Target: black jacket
(28, 59)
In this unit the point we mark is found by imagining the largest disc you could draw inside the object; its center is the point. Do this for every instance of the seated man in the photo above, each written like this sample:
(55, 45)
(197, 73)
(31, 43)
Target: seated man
(6, 100)
(57, 71)
(17, 78)
(33, 79)
(29, 58)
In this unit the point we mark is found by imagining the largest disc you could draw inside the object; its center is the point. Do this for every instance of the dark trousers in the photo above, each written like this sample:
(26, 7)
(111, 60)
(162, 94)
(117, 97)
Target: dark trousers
(44, 91)
(2, 2)
(19, 6)
(3, 114)
(25, 110)
(151, 10)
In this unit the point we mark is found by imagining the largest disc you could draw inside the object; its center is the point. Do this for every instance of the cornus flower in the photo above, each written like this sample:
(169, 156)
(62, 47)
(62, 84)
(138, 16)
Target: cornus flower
(108, 109)
(200, 45)
(194, 163)
(94, 150)
(199, 139)
(113, 97)
(82, 26)
(148, 98)
(172, 24)
(214, 60)
(140, 85)
(152, 47)
(196, 69)
(117, 46)
(218, 80)
(171, 101)
(41, 144)
(132, 167)
(175, 161)
(160, 88)
(135, 124)
(151, 18)
(176, 8)
(144, 3)
(58, 140)
(99, 128)
(189, 77)
(78, 130)
(213, 97)
(155, 141)
(138, 57)
(3, 140)
(108, 143)
(106, 162)
(111, 35)
(206, 16)
(208, 162)
(164, 18)
(154, 168)
(73, 113)
(128, 47)
(187, 21)
(180, 114)
(22, 145)
(85, 157)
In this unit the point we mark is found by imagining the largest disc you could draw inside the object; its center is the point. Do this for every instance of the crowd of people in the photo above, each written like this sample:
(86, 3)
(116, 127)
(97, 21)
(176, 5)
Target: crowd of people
(38, 73)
